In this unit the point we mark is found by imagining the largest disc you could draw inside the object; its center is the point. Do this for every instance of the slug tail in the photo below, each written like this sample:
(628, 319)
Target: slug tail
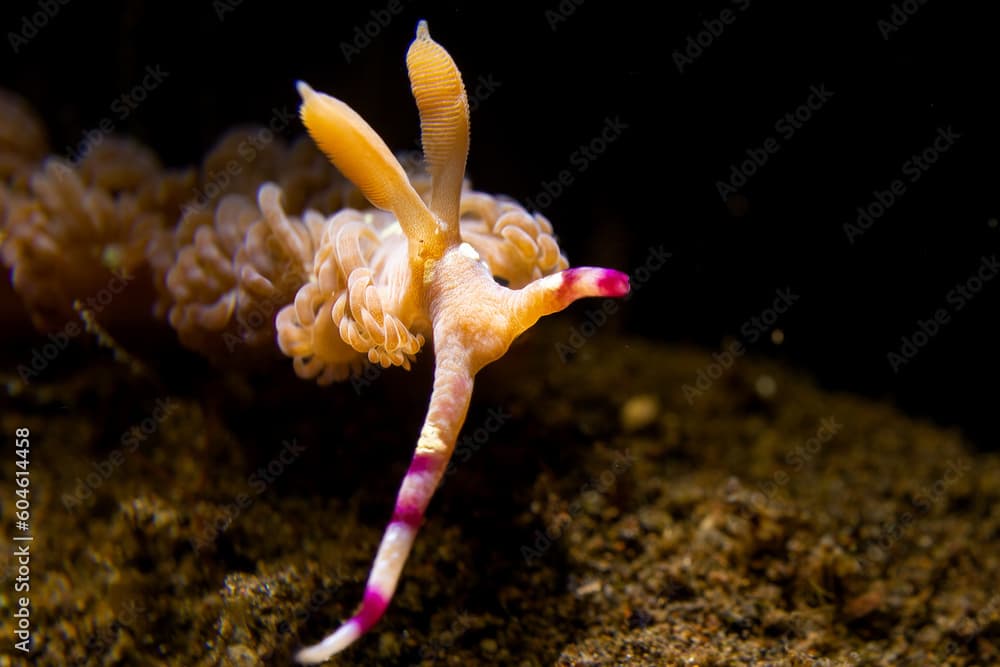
(448, 407)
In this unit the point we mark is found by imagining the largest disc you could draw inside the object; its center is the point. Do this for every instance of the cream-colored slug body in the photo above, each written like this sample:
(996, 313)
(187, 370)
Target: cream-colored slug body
(434, 286)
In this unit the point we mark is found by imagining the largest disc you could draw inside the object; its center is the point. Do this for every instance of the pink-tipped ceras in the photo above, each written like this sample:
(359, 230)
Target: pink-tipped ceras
(437, 288)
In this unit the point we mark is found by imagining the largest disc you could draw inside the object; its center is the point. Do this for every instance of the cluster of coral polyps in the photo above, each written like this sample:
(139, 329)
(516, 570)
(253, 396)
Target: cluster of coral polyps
(264, 247)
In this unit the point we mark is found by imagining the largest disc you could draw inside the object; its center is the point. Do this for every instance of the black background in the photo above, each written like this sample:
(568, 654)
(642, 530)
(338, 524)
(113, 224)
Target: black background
(563, 69)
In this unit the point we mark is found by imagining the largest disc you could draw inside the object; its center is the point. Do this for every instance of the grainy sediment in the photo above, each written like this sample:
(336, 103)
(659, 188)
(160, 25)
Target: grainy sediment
(595, 516)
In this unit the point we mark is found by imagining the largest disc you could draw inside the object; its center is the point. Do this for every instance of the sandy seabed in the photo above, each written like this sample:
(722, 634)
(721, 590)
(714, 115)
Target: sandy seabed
(596, 514)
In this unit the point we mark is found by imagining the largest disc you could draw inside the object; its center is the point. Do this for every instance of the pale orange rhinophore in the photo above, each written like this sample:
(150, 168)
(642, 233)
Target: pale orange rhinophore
(390, 287)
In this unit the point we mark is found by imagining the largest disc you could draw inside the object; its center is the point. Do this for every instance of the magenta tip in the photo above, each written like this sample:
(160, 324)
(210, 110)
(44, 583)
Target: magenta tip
(584, 281)
(613, 283)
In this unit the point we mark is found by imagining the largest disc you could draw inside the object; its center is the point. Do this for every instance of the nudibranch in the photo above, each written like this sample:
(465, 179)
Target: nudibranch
(430, 286)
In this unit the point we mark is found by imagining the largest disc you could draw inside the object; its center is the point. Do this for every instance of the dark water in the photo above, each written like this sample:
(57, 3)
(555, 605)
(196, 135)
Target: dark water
(809, 184)
(703, 101)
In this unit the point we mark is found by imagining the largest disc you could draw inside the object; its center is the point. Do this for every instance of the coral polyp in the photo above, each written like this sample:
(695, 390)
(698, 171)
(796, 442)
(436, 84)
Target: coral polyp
(285, 257)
